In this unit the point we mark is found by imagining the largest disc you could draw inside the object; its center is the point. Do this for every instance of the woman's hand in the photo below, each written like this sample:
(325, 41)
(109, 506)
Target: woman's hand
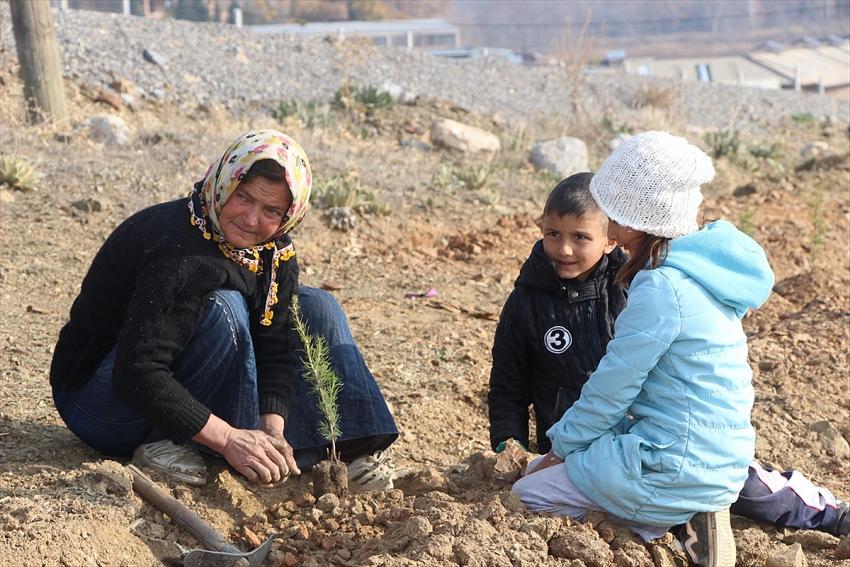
(262, 456)
(258, 456)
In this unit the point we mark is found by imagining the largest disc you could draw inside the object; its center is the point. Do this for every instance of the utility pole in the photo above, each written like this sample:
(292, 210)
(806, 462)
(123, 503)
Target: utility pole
(38, 56)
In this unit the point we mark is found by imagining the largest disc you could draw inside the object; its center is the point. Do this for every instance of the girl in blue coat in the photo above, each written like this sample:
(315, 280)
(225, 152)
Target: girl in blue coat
(662, 429)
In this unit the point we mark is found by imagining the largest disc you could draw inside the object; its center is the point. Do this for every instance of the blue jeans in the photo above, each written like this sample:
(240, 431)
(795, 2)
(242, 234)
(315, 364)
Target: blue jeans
(218, 369)
(786, 499)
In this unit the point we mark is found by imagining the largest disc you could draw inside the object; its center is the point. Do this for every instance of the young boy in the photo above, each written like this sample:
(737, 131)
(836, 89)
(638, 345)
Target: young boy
(553, 331)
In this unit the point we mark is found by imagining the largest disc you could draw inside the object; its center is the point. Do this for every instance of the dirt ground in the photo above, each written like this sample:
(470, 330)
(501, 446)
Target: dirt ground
(63, 504)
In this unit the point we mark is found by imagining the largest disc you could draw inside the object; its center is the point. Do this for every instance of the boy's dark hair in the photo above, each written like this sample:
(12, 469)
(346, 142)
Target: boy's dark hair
(571, 196)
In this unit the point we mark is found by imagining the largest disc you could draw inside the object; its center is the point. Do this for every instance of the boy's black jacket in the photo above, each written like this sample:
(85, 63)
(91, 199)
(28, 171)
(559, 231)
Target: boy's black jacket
(551, 335)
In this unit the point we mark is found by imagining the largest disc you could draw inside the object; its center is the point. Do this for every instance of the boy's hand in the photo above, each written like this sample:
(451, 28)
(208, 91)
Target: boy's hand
(549, 460)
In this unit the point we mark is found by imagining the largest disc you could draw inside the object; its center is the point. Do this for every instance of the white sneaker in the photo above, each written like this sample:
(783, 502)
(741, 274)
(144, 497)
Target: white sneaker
(372, 472)
(180, 462)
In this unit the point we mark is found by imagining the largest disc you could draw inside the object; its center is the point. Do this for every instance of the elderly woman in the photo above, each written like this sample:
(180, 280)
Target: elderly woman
(181, 337)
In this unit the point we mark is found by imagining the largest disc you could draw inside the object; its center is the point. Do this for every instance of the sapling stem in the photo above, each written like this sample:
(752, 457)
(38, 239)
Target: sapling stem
(319, 374)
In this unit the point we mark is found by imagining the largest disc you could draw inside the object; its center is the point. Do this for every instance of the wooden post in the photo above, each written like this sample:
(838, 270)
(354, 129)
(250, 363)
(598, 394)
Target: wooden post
(38, 55)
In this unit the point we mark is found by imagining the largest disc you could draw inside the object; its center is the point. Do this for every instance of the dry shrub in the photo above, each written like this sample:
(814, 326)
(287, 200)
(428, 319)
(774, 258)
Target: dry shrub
(656, 96)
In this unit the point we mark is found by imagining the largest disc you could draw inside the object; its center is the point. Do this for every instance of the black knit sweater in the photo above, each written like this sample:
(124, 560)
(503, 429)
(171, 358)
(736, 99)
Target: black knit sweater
(144, 294)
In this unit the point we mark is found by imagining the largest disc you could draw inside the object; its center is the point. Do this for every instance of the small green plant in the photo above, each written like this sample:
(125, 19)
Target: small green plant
(311, 113)
(818, 224)
(745, 221)
(369, 97)
(769, 155)
(803, 117)
(724, 143)
(615, 128)
(319, 374)
(472, 178)
(18, 173)
(339, 191)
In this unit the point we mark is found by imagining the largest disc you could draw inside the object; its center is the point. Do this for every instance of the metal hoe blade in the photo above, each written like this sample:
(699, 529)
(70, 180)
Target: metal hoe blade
(205, 558)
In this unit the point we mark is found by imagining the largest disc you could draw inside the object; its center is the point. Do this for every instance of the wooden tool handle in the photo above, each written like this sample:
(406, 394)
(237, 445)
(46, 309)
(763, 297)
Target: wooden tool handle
(185, 518)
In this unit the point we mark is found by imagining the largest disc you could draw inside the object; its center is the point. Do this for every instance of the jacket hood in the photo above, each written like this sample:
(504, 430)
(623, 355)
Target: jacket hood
(538, 271)
(726, 262)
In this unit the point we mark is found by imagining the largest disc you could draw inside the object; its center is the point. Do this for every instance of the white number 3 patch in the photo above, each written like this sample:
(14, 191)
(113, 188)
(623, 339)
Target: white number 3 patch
(557, 339)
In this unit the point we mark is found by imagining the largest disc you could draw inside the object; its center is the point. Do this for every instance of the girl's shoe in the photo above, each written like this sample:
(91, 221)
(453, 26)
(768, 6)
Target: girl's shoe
(372, 472)
(180, 462)
(708, 539)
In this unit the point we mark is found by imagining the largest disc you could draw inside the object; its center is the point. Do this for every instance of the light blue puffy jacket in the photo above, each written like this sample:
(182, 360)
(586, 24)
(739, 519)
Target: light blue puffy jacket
(662, 429)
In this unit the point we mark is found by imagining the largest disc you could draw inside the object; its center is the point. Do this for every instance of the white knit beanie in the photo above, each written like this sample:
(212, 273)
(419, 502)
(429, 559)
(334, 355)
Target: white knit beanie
(652, 183)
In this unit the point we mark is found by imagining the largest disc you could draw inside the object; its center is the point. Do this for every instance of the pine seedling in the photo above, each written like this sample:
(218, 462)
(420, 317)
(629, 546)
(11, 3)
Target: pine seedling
(318, 372)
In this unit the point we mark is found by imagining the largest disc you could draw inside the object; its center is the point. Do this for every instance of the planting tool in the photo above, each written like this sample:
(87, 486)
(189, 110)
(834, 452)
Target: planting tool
(220, 552)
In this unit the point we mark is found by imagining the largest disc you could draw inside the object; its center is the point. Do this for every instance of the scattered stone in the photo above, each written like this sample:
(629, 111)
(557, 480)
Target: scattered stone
(111, 98)
(417, 527)
(152, 56)
(123, 86)
(327, 502)
(581, 542)
(513, 503)
(304, 499)
(6, 196)
(114, 476)
(108, 129)
(563, 156)
(842, 551)
(815, 150)
(791, 556)
(88, 205)
(340, 218)
(745, 190)
(830, 439)
(812, 539)
(463, 137)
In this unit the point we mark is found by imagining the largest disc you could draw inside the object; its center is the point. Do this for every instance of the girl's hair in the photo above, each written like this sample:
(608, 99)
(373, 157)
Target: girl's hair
(649, 254)
(571, 196)
(267, 168)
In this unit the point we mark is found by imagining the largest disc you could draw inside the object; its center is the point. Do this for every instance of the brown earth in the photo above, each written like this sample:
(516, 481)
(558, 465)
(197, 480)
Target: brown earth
(63, 504)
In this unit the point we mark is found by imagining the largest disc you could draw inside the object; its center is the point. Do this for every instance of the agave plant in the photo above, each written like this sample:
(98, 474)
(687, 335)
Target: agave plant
(18, 173)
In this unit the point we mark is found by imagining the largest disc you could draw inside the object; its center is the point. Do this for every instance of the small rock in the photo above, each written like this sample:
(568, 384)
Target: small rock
(108, 129)
(123, 86)
(304, 499)
(111, 98)
(6, 196)
(340, 218)
(88, 205)
(463, 137)
(811, 539)
(843, 549)
(745, 190)
(328, 502)
(116, 477)
(417, 527)
(815, 150)
(791, 556)
(152, 56)
(830, 439)
(513, 503)
(289, 559)
(562, 156)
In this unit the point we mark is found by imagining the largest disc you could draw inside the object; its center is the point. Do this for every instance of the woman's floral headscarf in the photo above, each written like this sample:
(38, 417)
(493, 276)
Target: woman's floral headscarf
(219, 183)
